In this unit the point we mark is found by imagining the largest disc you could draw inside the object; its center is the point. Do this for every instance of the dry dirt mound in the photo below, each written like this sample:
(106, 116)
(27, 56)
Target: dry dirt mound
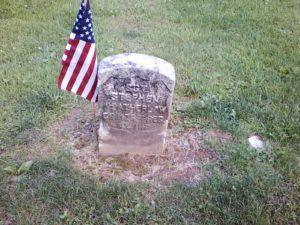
(183, 159)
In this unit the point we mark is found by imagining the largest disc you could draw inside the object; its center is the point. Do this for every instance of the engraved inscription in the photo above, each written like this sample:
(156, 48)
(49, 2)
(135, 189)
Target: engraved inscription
(135, 96)
(135, 102)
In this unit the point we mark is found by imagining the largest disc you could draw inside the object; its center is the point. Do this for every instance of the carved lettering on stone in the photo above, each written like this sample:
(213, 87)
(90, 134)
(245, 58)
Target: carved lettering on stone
(134, 103)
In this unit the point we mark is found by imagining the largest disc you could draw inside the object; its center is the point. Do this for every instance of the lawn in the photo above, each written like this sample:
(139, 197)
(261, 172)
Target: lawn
(237, 68)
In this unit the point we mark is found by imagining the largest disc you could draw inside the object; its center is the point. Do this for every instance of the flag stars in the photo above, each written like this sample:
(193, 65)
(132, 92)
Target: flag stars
(83, 27)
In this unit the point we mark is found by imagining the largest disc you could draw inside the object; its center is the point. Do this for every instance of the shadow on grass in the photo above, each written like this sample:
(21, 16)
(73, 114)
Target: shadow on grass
(249, 192)
(53, 193)
(31, 112)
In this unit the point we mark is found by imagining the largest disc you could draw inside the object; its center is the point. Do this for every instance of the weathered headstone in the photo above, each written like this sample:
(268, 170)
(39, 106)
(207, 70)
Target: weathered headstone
(135, 96)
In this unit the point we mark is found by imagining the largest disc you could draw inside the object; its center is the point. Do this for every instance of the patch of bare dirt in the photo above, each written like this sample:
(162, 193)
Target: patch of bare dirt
(184, 158)
(182, 161)
(5, 219)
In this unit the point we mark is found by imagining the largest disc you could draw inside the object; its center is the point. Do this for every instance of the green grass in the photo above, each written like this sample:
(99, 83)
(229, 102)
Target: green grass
(239, 61)
(248, 66)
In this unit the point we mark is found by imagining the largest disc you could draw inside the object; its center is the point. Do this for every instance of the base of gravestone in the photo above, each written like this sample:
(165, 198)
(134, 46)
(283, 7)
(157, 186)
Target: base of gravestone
(135, 97)
(143, 144)
(181, 161)
(139, 145)
(185, 157)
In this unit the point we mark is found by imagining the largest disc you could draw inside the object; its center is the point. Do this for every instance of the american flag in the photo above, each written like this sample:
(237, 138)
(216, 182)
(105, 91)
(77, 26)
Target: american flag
(79, 71)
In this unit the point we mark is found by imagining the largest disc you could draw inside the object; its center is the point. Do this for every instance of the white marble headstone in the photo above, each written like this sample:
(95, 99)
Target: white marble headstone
(135, 96)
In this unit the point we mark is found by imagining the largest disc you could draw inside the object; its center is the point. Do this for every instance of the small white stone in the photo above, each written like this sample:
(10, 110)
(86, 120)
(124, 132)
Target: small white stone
(256, 142)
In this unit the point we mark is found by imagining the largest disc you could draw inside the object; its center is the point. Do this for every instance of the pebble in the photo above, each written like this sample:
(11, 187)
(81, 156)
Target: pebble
(256, 142)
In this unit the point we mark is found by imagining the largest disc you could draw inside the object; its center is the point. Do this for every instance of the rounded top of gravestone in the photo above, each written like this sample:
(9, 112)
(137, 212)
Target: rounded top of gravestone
(140, 61)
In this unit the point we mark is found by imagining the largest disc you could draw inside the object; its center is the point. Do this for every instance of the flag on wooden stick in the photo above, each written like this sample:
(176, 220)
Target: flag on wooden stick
(79, 71)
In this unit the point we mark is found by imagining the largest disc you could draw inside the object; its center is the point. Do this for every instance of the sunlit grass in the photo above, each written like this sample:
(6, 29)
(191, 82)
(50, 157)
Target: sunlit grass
(238, 60)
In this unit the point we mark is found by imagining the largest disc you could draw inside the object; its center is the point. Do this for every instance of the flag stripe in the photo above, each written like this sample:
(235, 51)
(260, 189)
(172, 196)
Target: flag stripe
(92, 90)
(78, 67)
(95, 97)
(90, 59)
(68, 47)
(86, 78)
(73, 64)
(72, 36)
(92, 80)
(64, 57)
(66, 63)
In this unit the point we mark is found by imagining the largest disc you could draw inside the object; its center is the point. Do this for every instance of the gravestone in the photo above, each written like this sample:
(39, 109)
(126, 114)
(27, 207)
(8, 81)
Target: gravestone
(135, 97)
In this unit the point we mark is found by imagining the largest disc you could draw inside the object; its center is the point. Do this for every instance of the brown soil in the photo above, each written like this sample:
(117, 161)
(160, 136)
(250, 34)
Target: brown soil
(184, 158)
(5, 219)
(182, 161)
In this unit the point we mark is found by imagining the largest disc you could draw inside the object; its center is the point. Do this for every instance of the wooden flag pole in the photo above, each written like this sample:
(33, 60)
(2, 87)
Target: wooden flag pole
(94, 112)
(95, 126)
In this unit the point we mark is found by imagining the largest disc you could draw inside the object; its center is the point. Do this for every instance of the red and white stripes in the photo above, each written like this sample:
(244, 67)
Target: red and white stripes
(79, 72)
